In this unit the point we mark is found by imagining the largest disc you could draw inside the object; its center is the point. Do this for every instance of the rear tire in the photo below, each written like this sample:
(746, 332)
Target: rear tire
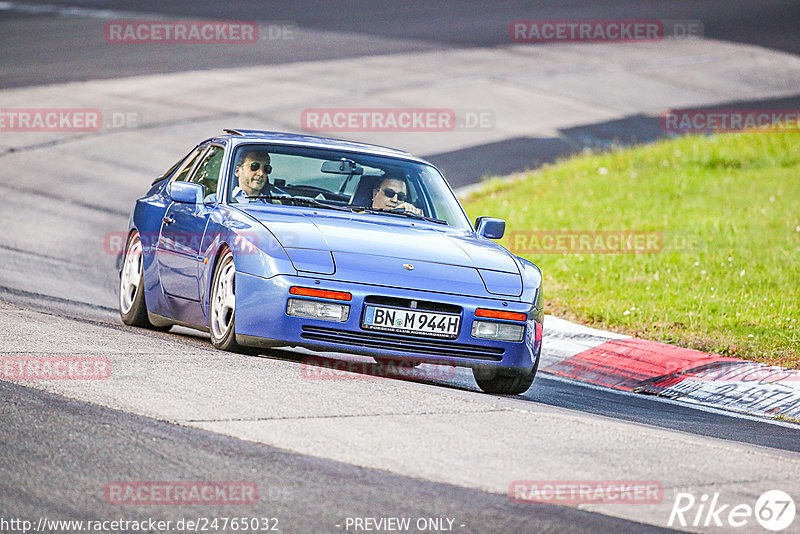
(222, 313)
(132, 305)
(504, 381)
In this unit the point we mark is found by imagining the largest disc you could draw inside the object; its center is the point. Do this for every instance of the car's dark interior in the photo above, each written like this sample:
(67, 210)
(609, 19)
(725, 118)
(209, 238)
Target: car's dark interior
(363, 193)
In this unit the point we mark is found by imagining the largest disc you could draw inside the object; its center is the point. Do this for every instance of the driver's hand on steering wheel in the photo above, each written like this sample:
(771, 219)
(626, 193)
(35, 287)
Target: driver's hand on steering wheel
(409, 207)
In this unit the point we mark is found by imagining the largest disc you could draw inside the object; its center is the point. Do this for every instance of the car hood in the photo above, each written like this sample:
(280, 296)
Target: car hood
(348, 244)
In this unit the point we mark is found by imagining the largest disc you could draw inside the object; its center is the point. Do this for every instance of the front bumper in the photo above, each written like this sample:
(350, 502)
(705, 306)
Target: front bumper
(262, 321)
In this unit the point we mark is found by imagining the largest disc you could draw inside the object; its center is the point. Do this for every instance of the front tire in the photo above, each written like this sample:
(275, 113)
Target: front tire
(223, 305)
(132, 306)
(504, 381)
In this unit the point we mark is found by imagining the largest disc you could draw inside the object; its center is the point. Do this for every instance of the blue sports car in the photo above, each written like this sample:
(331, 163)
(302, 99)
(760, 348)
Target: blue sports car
(267, 239)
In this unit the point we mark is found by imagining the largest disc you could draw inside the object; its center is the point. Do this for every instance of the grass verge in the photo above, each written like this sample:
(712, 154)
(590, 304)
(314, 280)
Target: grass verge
(724, 274)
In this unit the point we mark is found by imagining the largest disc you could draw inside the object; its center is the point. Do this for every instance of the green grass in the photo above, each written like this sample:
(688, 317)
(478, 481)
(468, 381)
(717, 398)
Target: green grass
(728, 207)
(782, 417)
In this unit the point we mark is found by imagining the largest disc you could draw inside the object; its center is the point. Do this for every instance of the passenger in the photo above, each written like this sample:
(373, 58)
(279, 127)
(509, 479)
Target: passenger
(391, 194)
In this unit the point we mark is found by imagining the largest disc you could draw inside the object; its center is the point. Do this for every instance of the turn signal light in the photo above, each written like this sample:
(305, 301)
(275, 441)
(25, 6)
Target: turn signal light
(320, 293)
(498, 314)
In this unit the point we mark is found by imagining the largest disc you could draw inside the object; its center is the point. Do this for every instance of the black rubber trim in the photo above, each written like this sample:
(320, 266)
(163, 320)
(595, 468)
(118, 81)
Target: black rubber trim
(430, 346)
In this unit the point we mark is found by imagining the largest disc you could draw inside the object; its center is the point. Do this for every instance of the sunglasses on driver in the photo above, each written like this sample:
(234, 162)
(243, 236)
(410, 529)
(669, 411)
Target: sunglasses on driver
(390, 193)
(256, 165)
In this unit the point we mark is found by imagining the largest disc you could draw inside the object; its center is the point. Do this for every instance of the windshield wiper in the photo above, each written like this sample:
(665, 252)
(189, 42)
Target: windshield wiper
(401, 212)
(306, 201)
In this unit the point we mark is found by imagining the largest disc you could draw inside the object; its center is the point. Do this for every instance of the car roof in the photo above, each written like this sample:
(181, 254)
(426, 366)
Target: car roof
(239, 136)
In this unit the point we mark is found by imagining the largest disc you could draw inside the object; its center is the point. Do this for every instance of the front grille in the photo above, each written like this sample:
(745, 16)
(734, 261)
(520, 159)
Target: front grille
(374, 340)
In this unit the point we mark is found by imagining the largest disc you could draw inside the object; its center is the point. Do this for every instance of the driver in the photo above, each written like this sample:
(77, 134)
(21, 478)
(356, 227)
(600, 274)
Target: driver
(392, 193)
(252, 170)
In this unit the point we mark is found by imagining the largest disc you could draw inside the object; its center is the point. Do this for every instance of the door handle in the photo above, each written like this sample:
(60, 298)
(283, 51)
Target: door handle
(167, 219)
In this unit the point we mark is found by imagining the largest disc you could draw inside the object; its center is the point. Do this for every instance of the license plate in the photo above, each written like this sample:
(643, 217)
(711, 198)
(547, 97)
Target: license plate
(423, 323)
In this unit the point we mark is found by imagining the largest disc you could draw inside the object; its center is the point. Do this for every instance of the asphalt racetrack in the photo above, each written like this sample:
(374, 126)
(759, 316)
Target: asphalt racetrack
(324, 453)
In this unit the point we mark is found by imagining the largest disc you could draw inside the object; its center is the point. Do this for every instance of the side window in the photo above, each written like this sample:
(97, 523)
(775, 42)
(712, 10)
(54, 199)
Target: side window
(207, 173)
(173, 168)
(187, 166)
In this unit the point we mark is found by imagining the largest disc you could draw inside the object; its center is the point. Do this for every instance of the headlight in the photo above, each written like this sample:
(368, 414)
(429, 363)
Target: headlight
(314, 309)
(500, 331)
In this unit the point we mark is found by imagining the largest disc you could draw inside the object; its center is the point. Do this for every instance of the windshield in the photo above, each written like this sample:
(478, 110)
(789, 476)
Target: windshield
(351, 181)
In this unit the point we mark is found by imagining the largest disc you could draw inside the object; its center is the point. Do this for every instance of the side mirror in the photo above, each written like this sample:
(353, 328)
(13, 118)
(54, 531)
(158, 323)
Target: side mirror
(490, 227)
(186, 192)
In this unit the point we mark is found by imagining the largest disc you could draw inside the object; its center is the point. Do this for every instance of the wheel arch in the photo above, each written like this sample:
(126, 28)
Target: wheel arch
(213, 262)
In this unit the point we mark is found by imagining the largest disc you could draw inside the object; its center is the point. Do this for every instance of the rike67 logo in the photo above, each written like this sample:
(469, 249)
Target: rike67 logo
(774, 510)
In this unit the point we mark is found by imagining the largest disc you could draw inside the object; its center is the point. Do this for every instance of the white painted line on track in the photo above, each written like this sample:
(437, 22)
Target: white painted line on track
(68, 11)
